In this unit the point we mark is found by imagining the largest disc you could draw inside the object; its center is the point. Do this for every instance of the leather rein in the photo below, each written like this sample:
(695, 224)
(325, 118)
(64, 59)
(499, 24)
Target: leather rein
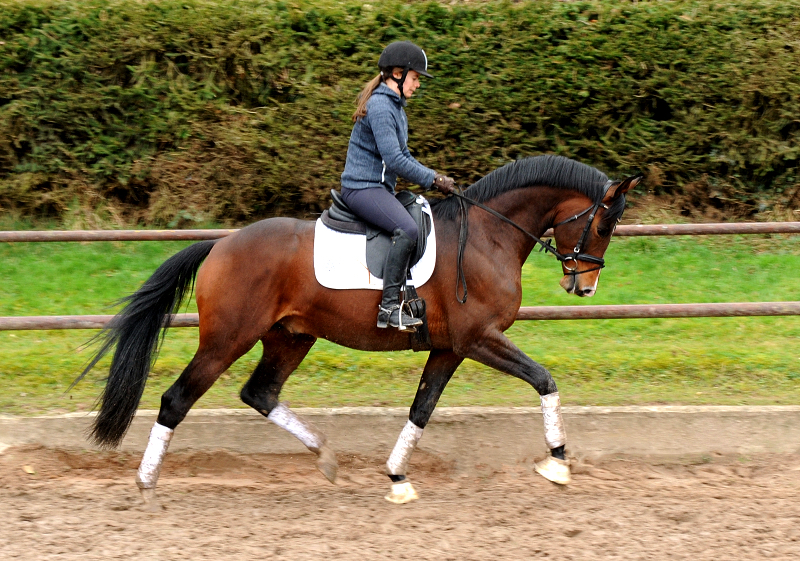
(545, 246)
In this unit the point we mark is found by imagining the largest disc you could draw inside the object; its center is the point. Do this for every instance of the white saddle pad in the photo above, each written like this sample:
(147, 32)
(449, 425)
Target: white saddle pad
(340, 260)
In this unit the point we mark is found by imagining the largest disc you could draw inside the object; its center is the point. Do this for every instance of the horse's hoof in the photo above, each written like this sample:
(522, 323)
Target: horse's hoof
(554, 470)
(326, 463)
(402, 493)
(151, 502)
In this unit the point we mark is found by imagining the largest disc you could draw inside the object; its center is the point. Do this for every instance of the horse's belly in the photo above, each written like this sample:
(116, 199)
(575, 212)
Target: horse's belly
(362, 336)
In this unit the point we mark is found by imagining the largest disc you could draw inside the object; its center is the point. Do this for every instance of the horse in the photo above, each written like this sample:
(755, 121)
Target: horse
(258, 284)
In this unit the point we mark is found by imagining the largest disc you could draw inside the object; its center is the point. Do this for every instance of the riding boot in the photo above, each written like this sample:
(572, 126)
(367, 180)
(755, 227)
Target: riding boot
(395, 269)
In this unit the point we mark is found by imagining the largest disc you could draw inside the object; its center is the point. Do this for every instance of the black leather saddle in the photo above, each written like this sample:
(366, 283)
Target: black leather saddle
(339, 217)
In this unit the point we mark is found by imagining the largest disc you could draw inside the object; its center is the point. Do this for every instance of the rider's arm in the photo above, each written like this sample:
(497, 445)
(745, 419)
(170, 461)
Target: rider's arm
(397, 159)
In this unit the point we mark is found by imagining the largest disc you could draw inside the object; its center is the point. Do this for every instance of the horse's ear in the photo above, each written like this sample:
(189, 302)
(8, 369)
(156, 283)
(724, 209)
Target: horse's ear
(622, 187)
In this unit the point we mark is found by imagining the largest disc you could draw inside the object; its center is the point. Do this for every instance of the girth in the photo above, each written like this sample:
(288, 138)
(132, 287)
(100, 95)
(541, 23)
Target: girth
(339, 217)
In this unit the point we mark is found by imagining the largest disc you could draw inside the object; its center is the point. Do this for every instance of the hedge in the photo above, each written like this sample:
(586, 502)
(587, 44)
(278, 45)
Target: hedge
(184, 111)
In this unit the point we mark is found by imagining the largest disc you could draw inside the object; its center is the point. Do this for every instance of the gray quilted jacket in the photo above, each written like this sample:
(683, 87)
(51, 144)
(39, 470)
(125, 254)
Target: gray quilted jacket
(378, 149)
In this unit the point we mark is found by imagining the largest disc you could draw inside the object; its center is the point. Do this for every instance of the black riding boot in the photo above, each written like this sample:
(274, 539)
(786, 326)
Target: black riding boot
(390, 312)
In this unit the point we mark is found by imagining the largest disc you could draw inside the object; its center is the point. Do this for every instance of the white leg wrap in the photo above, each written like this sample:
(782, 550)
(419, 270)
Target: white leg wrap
(305, 433)
(554, 433)
(147, 476)
(406, 442)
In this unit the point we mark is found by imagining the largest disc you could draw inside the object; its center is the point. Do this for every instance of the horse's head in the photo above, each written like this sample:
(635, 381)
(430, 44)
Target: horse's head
(582, 235)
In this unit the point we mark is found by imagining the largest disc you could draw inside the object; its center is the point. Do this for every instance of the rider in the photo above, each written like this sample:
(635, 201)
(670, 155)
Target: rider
(377, 154)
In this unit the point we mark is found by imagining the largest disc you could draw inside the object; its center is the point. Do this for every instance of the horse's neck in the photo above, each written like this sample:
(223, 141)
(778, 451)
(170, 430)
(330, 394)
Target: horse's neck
(532, 208)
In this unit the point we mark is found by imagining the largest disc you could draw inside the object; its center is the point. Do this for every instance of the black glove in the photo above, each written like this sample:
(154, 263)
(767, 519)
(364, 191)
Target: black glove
(444, 184)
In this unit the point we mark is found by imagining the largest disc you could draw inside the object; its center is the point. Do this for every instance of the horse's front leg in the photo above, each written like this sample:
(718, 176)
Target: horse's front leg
(497, 351)
(438, 371)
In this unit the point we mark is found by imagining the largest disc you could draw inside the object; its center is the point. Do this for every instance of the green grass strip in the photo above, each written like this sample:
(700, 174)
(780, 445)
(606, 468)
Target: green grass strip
(597, 362)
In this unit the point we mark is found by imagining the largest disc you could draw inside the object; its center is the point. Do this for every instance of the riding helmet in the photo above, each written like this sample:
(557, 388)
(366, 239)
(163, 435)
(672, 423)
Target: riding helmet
(406, 55)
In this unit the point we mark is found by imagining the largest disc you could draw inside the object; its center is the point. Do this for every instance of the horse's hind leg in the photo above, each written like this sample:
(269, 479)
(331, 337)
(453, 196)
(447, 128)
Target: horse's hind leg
(200, 374)
(438, 370)
(283, 353)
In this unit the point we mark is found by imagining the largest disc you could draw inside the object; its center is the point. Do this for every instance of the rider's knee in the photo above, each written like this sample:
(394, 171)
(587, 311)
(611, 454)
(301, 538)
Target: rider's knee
(411, 230)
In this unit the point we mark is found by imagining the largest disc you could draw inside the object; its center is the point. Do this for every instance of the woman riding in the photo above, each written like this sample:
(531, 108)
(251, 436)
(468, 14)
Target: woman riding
(377, 154)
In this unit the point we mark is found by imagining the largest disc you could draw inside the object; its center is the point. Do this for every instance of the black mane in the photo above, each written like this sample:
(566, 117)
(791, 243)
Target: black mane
(553, 171)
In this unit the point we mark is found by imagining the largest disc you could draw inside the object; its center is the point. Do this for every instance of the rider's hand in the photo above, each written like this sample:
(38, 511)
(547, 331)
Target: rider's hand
(444, 184)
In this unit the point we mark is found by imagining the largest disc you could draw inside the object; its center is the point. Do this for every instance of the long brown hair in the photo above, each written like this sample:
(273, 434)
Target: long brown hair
(366, 93)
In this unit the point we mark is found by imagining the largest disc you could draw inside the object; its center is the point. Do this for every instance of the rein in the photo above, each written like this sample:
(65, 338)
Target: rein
(545, 246)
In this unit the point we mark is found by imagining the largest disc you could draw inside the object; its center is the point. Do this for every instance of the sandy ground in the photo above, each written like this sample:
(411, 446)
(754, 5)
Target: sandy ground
(223, 506)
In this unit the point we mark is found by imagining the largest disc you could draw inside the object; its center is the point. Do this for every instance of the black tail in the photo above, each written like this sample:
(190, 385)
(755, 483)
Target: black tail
(134, 331)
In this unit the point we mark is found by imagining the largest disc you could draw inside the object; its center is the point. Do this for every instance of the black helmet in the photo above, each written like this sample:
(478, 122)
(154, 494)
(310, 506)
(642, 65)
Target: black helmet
(406, 55)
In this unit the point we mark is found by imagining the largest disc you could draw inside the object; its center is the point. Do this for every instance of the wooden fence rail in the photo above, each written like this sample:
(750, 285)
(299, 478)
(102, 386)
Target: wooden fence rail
(631, 311)
(725, 309)
(163, 235)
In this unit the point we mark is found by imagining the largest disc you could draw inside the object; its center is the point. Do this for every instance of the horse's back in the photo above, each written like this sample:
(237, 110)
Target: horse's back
(270, 230)
(255, 262)
(273, 238)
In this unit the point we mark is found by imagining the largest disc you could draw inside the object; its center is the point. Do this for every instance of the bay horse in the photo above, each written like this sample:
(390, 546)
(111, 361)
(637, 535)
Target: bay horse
(258, 284)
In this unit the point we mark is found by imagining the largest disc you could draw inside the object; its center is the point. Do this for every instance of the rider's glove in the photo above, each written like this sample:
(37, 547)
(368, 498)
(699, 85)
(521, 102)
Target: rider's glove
(444, 184)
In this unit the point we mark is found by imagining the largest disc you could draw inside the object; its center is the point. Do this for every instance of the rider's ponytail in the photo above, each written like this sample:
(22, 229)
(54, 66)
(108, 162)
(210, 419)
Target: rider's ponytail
(363, 97)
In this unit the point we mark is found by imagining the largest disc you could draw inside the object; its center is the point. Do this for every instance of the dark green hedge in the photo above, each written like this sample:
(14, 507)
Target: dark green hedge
(169, 111)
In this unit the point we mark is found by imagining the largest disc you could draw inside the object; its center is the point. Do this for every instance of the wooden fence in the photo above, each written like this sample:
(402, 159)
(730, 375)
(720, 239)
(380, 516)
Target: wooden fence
(725, 309)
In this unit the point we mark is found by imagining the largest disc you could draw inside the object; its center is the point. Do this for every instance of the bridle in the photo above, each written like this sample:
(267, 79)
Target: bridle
(576, 252)
(546, 246)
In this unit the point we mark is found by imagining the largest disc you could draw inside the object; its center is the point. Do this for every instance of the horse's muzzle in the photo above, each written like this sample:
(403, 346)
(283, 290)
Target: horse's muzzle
(570, 284)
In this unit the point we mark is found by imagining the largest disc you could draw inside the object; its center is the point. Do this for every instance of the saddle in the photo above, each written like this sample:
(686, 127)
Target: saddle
(339, 217)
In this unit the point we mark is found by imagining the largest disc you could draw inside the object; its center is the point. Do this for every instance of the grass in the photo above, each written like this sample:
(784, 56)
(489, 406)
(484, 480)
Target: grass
(601, 362)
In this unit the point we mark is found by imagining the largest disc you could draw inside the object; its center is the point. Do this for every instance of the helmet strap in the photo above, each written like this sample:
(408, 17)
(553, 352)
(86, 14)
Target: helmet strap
(400, 82)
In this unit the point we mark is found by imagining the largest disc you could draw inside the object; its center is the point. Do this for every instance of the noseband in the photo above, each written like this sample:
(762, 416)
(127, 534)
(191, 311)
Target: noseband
(576, 252)
(544, 246)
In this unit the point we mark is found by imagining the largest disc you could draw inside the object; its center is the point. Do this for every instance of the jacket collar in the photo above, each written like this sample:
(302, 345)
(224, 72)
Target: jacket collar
(383, 89)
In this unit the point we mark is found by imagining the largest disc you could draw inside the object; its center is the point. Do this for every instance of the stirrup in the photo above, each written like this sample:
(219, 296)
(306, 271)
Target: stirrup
(403, 322)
